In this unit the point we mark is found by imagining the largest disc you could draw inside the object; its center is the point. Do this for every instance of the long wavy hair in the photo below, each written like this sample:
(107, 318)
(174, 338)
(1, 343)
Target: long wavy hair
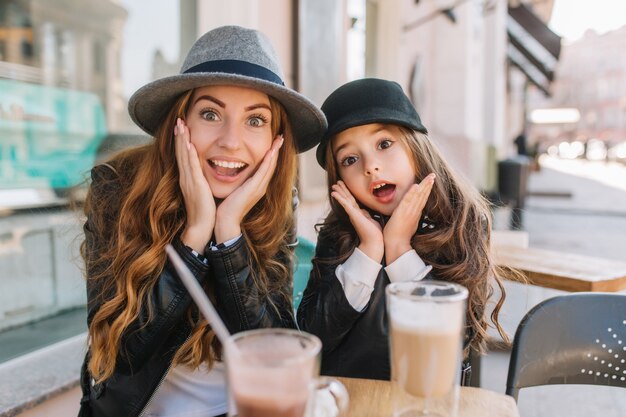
(151, 212)
(458, 248)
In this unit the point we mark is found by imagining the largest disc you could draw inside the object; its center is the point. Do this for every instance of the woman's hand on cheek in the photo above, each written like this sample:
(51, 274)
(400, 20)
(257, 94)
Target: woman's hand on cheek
(405, 219)
(199, 201)
(233, 209)
(369, 230)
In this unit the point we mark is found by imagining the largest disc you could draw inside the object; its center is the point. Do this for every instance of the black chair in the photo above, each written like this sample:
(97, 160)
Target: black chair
(570, 339)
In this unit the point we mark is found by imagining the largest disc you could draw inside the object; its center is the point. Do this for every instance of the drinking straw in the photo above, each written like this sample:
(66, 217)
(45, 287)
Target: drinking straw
(201, 299)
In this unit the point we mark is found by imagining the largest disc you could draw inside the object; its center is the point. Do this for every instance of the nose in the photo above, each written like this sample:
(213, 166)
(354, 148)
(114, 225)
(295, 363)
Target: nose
(229, 137)
(371, 168)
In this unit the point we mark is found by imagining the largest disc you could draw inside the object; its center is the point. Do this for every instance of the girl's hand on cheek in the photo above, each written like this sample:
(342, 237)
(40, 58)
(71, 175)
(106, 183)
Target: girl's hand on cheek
(233, 209)
(369, 230)
(199, 201)
(404, 221)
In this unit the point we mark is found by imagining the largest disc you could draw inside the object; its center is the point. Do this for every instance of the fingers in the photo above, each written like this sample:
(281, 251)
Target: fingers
(344, 197)
(264, 173)
(186, 155)
(181, 148)
(248, 194)
(416, 197)
(273, 160)
(341, 190)
(196, 193)
(192, 153)
(369, 230)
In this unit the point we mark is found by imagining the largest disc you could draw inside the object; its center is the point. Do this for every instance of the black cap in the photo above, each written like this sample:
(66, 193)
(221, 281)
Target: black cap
(366, 101)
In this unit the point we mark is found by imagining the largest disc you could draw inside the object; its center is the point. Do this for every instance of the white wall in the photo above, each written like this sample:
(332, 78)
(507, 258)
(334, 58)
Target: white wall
(460, 91)
(272, 17)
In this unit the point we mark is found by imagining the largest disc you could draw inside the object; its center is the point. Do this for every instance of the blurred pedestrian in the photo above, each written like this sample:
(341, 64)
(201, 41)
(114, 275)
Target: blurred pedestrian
(521, 143)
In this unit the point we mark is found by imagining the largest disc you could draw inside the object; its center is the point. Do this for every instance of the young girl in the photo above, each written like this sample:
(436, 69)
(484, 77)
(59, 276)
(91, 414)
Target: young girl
(217, 183)
(396, 207)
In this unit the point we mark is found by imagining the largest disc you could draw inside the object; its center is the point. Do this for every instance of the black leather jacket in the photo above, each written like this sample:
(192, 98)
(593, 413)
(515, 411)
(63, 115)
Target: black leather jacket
(150, 346)
(355, 344)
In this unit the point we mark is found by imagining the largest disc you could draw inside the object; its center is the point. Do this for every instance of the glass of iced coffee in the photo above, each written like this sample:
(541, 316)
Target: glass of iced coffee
(275, 373)
(426, 320)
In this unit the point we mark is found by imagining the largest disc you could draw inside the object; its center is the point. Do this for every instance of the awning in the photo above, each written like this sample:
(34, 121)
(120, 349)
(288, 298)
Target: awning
(533, 47)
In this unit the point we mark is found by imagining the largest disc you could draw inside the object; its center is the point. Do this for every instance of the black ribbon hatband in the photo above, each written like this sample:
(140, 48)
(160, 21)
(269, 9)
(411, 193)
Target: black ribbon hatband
(233, 66)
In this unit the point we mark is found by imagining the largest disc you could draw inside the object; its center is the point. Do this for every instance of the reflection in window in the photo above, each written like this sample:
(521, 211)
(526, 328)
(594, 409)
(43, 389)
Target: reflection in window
(16, 32)
(58, 103)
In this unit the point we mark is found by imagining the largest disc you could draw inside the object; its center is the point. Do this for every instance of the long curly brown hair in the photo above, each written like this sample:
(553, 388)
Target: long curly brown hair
(151, 212)
(458, 248)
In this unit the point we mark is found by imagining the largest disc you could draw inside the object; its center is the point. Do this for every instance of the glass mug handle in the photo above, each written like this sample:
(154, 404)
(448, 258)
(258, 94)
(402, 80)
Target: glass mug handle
(330, 398)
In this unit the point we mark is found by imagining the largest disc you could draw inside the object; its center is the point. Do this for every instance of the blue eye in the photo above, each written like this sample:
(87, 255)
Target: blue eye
(209, 115)
(384, 144)
(258, 120)
(349, 160)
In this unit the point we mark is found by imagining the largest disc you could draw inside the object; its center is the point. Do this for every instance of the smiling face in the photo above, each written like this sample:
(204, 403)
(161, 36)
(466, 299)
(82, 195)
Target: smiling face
(231, 129)
(374, 164)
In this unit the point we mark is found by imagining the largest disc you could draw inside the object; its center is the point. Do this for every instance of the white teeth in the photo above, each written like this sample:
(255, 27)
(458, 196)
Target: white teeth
(227, 164)
(376, 187)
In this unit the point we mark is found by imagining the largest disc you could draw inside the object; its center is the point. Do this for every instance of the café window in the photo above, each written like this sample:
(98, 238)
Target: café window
(58, 105)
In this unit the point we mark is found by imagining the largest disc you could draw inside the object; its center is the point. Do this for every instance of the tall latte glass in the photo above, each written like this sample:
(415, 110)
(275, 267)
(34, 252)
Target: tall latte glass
(275, 373)
(426, 321)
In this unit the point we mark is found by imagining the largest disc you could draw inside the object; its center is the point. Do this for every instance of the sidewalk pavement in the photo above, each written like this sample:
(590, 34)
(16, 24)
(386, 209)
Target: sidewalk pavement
(591, 222)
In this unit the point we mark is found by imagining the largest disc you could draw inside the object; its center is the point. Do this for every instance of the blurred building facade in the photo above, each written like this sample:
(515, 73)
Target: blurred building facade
(592, 79)
(453, 58)
(66, 43)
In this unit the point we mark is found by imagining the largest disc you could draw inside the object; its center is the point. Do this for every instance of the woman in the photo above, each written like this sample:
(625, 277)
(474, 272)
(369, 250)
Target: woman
(217, 184)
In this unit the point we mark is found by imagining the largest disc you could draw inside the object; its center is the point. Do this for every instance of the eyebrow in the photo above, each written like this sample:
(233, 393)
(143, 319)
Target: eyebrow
(223, 105)
(259, 106)
(210, 98)
(371, 133)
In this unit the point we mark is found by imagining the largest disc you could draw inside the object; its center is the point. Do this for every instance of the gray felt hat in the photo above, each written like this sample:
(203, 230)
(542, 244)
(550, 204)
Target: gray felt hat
(229, 55)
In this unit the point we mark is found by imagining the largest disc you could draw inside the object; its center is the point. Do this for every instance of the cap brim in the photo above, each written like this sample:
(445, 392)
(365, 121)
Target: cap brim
(150, 104)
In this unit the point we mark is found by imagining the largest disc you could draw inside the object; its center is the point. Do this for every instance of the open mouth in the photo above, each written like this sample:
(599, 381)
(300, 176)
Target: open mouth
(383, 190)
(227, 168)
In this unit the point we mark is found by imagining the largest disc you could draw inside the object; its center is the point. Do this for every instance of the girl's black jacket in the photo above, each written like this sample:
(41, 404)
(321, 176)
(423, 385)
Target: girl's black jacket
(147, 348)
(355, 344)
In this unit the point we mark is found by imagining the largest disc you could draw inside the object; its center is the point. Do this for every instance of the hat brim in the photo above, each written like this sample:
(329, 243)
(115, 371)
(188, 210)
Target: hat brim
(149, 105)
